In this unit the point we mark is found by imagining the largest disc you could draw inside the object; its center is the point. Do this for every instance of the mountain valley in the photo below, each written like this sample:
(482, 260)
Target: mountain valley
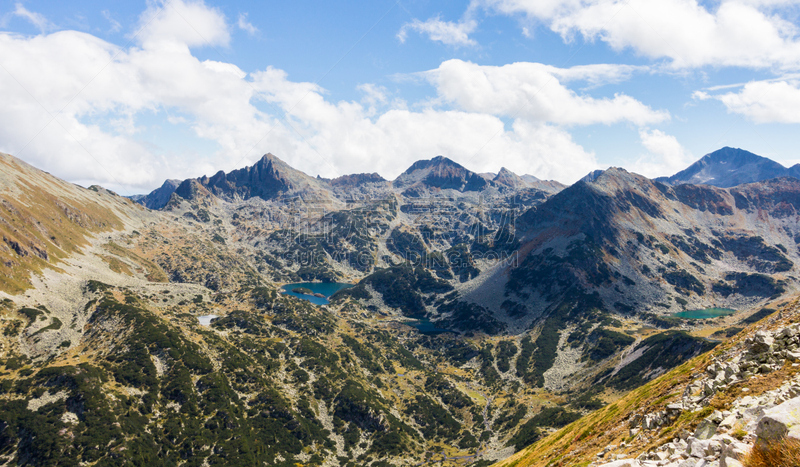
(548, 303)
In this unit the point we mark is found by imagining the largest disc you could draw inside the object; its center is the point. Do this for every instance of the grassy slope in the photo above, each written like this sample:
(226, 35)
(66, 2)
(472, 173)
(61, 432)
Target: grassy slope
(43, 220)
(578, 443)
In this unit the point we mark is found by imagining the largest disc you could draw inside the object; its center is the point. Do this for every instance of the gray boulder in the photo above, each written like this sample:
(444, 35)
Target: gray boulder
(779, 422)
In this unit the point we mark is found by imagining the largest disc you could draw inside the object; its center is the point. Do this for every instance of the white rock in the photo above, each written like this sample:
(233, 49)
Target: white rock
(728, 462)
(623, 463)
(780, 421)
(728, 422)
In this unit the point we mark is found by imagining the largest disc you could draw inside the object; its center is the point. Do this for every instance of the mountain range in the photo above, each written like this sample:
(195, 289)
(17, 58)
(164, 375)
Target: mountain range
(486, 311)
(729, 167)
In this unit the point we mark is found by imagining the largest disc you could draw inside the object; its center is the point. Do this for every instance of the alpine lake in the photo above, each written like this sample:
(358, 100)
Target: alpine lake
(705, 313)
(317, 293)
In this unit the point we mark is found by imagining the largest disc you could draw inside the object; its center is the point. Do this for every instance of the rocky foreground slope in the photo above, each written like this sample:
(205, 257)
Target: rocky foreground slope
(713, 411)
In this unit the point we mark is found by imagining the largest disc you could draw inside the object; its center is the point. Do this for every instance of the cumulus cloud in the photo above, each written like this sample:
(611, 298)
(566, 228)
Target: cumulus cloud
(534, 92)
(245, 25)
(665, 155)
(747, 33)
(773, 101)
(86, 109)
(185, 23)
(446, 32)
(398, 137)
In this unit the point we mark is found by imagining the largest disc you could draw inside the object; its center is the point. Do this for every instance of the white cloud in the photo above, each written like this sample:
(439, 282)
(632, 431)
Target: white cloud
(748, 33)
(763, 101)
(446, 32)
(36, 19)
(665, 155)
(349, 141)
(245, 25)
(115, 25)
(185, 23)
(533, 91)
(107, 100)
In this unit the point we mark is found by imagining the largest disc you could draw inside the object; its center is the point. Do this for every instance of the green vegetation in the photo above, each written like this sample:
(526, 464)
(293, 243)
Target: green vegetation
(758, 316)
(402, 286)
(608, 343)
(505, 352)
(54, 325)
(684, 282)
(530, 432)
(663, 350)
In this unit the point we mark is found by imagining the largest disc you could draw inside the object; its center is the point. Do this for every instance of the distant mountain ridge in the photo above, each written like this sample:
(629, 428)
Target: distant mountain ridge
(271, 178)
(729, 167)
(159, 197)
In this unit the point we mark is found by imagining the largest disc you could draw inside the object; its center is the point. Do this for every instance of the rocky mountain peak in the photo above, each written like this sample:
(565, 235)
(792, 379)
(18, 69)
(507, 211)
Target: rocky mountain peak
(269, 178)
(728, 167)
(159, 197)
(592, 176)
(439, 173)
(355, 180)
(510, 179)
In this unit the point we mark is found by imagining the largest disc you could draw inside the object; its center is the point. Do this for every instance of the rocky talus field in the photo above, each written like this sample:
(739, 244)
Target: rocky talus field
(725, 408)
(491, 319)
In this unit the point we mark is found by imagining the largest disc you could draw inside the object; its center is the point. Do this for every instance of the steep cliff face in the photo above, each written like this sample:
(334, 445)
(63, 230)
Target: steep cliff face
(268, 179)
(159, 197)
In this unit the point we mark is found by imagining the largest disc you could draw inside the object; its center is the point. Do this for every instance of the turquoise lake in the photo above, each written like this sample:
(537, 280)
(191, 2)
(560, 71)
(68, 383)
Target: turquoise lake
(705, 314)
(324, 288)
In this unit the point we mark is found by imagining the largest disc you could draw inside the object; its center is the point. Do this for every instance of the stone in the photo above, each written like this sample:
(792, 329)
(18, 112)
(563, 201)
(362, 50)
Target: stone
(734, 451)
(705, 430)
(728, 422)
(675, 408)
(762, 343)
(728, 462)
(779, 422)
(622, 463)
(696, 448)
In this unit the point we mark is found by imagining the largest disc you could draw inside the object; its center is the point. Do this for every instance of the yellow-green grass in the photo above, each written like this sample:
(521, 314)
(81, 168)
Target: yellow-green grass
(579, 442)
(38, 229)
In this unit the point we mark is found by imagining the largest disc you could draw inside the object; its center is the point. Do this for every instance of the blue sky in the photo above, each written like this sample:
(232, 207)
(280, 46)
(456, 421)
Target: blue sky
(128, 94)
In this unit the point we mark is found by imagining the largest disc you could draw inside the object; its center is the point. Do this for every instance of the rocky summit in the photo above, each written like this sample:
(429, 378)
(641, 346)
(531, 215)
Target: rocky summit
(729, 167)
(471, 319)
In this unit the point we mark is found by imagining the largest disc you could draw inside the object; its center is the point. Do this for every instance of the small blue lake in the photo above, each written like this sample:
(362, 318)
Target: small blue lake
(705, 314)
(323, 290)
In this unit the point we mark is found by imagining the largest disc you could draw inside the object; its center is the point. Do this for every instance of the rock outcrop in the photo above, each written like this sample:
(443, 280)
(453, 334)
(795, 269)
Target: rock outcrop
(724, 437)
